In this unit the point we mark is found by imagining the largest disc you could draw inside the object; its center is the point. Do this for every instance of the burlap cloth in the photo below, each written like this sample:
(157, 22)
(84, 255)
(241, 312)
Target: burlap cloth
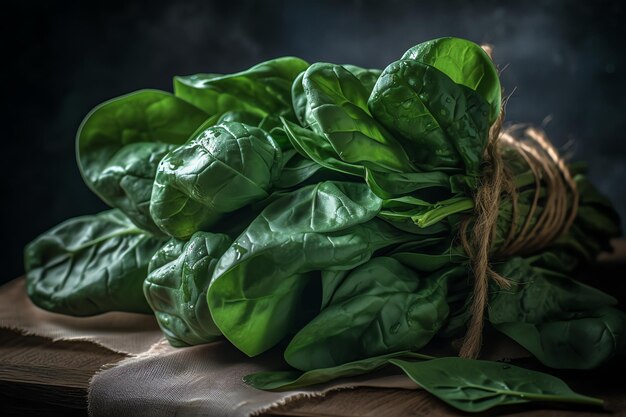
(159, 380)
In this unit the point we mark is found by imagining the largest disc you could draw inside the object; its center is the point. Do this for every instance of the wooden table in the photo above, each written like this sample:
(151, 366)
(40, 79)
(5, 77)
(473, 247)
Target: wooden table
(40, 377)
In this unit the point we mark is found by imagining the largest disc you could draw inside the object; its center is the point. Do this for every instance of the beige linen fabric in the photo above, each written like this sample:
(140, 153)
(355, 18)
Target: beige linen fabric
(128, 333)
(203, 380)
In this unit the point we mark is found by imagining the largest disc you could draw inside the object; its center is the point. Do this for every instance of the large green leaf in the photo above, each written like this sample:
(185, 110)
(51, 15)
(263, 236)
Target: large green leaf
(336, 107)
(262, 89)
(466, 63)
(90, 265)
(367, 77)
(473, 385)
(221, 169)
(380, 307)
(178, 278)
(256, 290)
(121, 142)
(444, 124)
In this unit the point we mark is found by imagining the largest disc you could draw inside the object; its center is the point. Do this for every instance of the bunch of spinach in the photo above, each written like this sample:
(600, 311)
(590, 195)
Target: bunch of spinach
(317, 208)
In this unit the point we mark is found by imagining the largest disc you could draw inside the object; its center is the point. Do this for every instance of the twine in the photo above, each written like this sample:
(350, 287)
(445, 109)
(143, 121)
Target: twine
(556, 216)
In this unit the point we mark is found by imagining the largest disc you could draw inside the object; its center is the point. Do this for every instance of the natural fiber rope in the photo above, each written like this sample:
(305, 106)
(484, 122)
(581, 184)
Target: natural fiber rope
(556, 216)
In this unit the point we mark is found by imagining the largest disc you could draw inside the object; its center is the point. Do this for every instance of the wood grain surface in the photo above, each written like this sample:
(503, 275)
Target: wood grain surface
(39, 377)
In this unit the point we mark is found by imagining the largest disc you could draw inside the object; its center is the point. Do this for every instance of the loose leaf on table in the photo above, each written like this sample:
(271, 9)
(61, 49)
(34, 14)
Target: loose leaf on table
(380, 306)
(90, 265)
(475, 385)
(336, 107)
(178, 278)
(444, 125)
(466, 63)
(221, 169)
(262, 89)
(288, 380)
(562, 322)
(257, 285)
(121, 142)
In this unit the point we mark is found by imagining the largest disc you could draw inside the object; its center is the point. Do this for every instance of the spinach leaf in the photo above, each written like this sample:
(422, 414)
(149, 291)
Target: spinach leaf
(318, 149)
(381, 306)
(178, 277)
(336, 107)
(474, 385)
(583, 340)
(368, 77)
(257, 286)
(562, 322)
(288, 380)
(445, 125)
(262, 89)
(90, 265)
(120, 144)
(465, 63)
(220, 170)
(296, 170)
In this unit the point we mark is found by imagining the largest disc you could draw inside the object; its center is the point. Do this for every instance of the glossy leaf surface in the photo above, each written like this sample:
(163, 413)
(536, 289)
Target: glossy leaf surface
(178, 278)
(474, 385)
(336, 107)
(90, 265)
(466, 63)
(258, 282)
(380, 306)
(445, 124)
(262, 89)
(221, 169)
(121, 142)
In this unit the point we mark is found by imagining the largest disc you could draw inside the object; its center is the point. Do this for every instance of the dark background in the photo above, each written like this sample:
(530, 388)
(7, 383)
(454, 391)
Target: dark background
(564, 60)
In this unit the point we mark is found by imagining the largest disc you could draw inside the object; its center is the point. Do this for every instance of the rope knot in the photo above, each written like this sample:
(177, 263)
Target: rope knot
(550, 215)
